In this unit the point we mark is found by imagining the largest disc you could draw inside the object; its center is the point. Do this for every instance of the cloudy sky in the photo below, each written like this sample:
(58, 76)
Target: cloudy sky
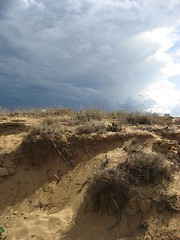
(116, 53)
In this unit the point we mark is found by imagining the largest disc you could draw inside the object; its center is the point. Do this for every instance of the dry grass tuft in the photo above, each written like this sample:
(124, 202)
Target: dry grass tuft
(109, 192)
(119, 116)
(45, 140)
(41, 112)
(142, 168)
(91, 127)
(136, 118)
(86, 115)
(4, 111)
(62, 111)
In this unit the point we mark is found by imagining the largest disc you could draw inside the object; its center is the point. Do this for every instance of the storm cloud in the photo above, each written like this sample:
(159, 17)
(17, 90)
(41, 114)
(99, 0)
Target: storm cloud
(82, 53)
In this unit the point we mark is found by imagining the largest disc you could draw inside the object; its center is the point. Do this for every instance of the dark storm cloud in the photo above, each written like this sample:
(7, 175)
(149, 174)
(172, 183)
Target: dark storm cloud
(4, 5)
(80, 52)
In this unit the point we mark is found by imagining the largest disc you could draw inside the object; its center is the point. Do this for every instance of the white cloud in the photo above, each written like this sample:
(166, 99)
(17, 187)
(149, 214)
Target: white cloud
(28, 2)
(165, 38)
(165, 95)
(163, 92)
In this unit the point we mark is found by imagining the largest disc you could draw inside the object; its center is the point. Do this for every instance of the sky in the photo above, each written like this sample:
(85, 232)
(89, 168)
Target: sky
(119, 54)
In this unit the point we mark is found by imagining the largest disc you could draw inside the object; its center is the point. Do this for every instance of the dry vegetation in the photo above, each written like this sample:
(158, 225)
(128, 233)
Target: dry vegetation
(44, 140)
(136, 118)
(91, 127)
(108, 192)
(86, 115)
(142, 168)
(110, 189)
(36, 112)
(50, 131)
(4, 112)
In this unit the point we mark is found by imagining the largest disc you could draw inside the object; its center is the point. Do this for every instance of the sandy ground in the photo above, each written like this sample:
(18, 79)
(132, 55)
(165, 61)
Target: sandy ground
(36, 202)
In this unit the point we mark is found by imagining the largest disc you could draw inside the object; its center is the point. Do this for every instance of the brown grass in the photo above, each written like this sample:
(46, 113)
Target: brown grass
(136, 118)
(4, 111)
(86, 115)
(44, 141)
(38, 112)
(109, 192)
(91, 127)
(110, 189)
(142, 168)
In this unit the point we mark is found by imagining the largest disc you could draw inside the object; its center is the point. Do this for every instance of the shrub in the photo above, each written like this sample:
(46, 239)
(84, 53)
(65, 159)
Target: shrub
(86, 115)
(52, 122)
(120, 116)
(109, 192)
(142, 168)
(41, 112)
(137, 118)
(91, 127)
(62, 111)
(43, 141)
